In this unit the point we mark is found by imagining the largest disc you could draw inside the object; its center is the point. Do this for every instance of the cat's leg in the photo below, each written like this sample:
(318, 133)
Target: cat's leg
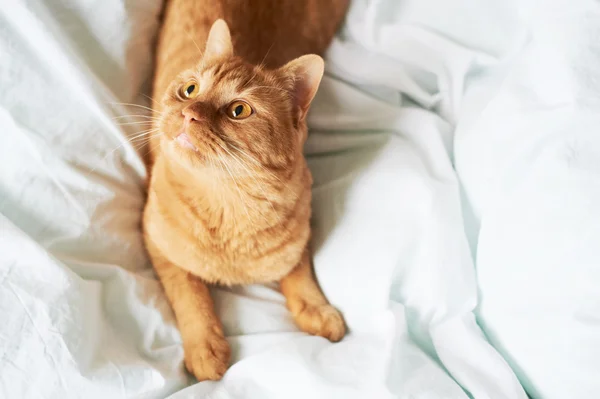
(205, 348)
(309, 307)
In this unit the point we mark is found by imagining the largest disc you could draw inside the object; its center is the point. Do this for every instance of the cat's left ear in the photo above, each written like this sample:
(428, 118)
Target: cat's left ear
(307, 72)
(218, 44)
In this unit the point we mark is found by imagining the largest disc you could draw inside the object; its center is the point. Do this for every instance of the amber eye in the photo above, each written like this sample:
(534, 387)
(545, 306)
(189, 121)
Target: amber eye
(239, 110)
(190, 89)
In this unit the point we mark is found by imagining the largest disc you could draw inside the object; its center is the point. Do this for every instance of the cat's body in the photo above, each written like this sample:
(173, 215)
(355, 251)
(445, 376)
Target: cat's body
(229, 196)
(244, 240)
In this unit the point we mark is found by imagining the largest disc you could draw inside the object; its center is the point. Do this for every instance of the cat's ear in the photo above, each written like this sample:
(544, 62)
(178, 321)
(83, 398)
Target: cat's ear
(218, 44)
(307, 72)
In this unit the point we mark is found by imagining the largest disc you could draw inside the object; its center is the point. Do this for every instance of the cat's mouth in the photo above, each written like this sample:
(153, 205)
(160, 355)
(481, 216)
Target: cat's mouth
(183, 140)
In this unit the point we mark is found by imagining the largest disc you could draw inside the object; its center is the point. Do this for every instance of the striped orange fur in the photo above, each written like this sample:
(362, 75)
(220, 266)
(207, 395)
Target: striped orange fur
(230, 190)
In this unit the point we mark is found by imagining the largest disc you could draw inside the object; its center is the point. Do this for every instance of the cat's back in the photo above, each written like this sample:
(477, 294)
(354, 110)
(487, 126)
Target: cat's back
(272, 32)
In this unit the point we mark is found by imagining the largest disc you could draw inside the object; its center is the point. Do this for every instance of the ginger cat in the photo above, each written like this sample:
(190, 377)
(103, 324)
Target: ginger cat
(230, 190)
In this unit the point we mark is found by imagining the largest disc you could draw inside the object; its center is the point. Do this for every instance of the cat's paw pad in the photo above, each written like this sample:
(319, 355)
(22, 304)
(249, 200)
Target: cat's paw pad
(323, 320)
(208, 357)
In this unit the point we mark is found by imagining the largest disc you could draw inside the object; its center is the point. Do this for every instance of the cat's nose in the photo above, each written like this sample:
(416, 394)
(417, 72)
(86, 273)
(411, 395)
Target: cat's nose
(191, 114)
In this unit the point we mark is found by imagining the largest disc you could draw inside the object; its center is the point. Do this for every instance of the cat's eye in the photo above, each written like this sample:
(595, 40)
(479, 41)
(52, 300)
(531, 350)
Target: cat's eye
(190, 89)
(239, 110)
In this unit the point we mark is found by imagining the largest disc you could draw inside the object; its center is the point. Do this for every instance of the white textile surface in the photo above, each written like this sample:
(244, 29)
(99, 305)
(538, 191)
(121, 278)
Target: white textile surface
(395, 235)
(528, 154)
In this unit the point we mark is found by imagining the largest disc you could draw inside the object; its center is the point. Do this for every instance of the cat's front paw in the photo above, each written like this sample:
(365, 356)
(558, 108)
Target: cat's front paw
(207, 357)
(323, 320)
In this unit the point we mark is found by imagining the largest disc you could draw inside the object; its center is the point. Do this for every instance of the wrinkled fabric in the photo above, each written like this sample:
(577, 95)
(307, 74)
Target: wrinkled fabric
(416, 261)
(528, 154)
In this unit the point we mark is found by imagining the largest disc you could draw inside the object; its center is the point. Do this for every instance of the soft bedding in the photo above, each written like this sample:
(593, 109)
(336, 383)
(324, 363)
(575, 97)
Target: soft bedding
(528, 154)
(395, 233)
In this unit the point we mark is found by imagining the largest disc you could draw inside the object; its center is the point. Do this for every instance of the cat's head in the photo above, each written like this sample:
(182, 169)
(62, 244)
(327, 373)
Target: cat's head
(226, 112)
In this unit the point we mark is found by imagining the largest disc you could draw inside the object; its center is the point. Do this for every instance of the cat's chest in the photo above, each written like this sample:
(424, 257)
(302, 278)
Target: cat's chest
(223, 257)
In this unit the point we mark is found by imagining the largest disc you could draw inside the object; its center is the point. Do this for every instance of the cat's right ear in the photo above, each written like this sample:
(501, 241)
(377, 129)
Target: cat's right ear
(218, 44)
(306, 72)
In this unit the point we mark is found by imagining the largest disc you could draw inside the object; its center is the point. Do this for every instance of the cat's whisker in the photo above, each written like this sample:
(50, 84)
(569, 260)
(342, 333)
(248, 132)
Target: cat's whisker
(255, 180)
(224, 162)
(218, 182)
(198, 47)
(235, 223)
(130, 122)
(256, 162)
(242, 152)
(144, 135)
(194, 41)
(213, 166)
(147, 134)
(135, 123)
(146, 131)
(140, 144)
(260, 66)
(134, 116)
(151, 99)
(135, 105)
(257, 69)
(267, 54)
(256, 209)
(144, 139)
(108, 155)
(149, 150)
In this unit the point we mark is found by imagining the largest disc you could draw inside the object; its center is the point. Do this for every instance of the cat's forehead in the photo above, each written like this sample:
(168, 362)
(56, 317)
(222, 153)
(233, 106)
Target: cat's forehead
(225, 78)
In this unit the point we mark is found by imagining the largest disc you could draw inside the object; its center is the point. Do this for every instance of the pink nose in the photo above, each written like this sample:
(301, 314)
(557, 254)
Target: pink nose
(190, 115)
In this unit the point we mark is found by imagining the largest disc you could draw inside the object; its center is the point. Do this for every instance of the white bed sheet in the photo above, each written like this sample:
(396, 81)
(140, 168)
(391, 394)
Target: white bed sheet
(528, 155)
(83, 315)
